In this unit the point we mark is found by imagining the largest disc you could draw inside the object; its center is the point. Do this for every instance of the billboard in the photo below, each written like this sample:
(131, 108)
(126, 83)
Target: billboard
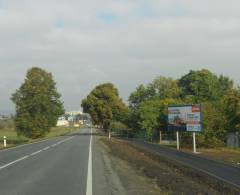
(185, 118)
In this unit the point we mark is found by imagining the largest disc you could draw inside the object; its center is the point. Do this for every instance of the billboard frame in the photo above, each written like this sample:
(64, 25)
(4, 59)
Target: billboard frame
(188, 105)
(193, 132)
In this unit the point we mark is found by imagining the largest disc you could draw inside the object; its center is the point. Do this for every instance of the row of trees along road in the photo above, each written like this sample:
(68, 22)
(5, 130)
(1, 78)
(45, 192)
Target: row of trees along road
(147, 110)
(38, 104)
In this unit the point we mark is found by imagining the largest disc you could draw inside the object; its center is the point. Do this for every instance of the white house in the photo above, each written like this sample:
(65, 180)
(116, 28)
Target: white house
(62, 122)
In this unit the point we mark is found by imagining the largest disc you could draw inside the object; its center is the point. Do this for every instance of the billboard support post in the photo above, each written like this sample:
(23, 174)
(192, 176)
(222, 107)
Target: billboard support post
(177, 140)
(185, 118)
(109, 134)
(160, 137)
(194, 142)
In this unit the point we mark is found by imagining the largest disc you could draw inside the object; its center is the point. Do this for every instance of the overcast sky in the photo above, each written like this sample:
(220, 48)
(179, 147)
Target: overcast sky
(126, 42)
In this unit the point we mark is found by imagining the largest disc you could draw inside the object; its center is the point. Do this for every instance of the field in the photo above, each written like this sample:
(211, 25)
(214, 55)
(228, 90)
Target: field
(13, 139)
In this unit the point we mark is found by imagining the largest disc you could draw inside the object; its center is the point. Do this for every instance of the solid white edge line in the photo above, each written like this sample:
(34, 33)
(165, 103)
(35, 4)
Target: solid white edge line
(89, 174)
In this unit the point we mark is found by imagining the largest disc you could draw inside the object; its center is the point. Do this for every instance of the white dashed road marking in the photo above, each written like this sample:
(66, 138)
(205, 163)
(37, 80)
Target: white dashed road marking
(32, 154)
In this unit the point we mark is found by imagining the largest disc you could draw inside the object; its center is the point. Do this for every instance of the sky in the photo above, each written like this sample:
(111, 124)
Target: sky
(126, 42)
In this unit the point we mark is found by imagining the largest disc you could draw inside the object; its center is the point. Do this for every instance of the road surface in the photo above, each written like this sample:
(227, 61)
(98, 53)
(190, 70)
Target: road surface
(79, 164)
(56, 166)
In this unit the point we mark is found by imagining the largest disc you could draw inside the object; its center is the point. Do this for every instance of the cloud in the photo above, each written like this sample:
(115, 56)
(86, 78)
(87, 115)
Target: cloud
(108, 17)
(85, 43)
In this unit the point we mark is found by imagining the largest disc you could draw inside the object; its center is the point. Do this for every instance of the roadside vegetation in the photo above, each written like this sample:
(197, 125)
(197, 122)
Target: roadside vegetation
(218, 95)
(38, 107)
(38, 104)
(227, 155)
(13, 139)
(146, 115)
(105, 106)
(169, 176)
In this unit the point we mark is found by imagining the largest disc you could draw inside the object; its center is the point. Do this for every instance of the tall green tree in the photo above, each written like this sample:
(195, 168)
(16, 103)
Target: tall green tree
(160, 88)
(104, 105)
(137, 97)
(226, 84)
(201, 85)
(165, 87)
(219, 97)
(230, 107)
(140, 95)
(38, 104)
(153, 115)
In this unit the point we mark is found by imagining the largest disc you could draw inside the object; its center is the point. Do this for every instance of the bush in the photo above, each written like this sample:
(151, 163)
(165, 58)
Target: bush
(116, 125)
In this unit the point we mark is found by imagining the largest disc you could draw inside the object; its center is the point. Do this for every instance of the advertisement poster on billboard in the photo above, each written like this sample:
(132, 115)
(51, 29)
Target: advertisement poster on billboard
(185, 118)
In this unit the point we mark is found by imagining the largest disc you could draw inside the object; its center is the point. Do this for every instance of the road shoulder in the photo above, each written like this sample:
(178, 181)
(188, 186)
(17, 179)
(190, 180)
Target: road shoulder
(170, 178)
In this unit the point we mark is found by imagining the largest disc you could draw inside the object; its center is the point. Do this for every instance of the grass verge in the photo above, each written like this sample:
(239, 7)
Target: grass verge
(225, 155)
(13, 139)
(171, 177)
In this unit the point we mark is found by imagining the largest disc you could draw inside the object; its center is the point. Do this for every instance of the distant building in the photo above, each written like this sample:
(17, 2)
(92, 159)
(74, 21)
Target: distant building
(4, 117)
(62, 122)
(74, 113)
(74, 118)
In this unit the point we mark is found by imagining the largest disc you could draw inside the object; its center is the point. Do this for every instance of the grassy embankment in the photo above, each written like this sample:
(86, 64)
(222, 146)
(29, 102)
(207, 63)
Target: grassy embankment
(13, 139)
(226, 155)
(223, 154)
(169, 176)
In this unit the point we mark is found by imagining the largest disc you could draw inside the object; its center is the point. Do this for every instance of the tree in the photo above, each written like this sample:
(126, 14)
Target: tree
(226, 84)
(153, 115)
(230, 107)
(104, 105)
(165, 87)
(214, 132)
(38, 104)
(201, 85)
(137, 97)
(160, 88)
(219, 98)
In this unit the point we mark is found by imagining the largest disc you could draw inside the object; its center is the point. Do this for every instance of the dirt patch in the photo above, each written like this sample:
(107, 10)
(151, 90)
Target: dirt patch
(169, 178)
(121, 170)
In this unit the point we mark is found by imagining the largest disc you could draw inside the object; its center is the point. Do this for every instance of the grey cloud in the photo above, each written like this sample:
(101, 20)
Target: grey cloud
(84, 50)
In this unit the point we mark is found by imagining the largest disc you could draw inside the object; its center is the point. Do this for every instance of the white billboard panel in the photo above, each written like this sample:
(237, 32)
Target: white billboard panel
(185, 118)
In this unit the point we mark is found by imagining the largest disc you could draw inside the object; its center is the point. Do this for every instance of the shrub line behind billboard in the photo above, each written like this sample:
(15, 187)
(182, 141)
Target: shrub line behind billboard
(185, 118)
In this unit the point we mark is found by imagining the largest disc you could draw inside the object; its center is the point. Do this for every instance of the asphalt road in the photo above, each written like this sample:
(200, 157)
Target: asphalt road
(79, 164)
(57, 166)
(221, 171)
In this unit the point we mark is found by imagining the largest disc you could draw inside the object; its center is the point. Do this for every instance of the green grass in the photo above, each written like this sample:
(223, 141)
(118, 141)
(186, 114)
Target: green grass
(222, 154)
(226, 155)
(13, 139)
(60, 131)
